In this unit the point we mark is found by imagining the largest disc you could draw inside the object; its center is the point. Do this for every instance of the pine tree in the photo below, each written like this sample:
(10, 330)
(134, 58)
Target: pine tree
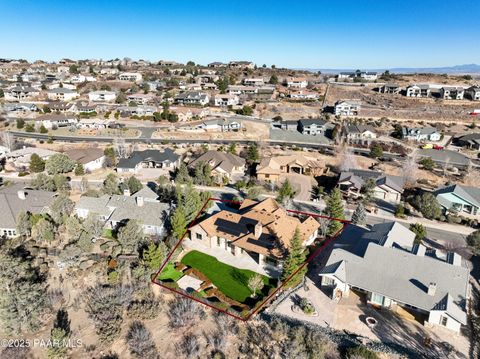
(359, 216)
(134, 184)
(178, 222)
(79, 170)
(24, 225)
(36, 163)
(285, 192)
(130, 236)
(182, 175)
(252, 153)
(111, 185)
(154, 255)
(334, 209)
(296, 257)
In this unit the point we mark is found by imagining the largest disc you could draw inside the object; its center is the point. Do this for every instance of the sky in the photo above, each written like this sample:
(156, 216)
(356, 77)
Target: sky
(336, 34)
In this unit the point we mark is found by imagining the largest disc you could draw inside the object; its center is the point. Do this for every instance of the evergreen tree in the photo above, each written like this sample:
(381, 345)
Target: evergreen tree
(232, 148)
(359, 216)
(154, 255)
(134, 184)
(59, 347)
(420, 232)
(376, 151)
(36, 163)
(296, 257)
(111, 159)
(79, 170)
(252, 153)
(178, 222)
(130, 236)
(334, 209)
(182, 175)
(59, 163)
(24, 224)
(61, 208)
(286, 192)
(111, 185)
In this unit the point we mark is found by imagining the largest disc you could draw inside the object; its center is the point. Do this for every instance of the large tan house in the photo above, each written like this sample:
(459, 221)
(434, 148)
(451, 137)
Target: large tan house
(271, 169)
(259, 234)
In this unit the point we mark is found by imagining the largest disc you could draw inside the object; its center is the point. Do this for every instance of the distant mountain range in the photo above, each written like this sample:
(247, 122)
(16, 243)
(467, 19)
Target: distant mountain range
(457, 69)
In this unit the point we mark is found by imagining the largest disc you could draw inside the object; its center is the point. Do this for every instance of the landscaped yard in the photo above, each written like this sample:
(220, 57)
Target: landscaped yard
(231, 281)
(169, 273)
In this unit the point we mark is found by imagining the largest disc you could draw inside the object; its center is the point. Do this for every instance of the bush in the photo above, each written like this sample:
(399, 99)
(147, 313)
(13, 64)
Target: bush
(361, 352)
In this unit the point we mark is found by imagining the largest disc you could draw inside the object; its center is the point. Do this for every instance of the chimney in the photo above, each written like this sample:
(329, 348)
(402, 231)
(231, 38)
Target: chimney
(432, 288)
(126, 192)
(139, 201)
(21, 194)
(257, 230)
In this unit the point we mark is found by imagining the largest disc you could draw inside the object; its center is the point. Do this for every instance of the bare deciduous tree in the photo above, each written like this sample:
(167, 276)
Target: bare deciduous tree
(140, 342)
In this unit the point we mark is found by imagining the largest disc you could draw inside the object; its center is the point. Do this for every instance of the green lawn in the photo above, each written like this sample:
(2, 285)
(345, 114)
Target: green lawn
(231, 281)
(170, 273)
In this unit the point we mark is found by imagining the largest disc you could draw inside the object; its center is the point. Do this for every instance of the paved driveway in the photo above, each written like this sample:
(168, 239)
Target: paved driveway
(302, 185)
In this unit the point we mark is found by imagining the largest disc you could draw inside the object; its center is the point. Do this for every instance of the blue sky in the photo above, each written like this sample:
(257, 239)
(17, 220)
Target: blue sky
(313, 34)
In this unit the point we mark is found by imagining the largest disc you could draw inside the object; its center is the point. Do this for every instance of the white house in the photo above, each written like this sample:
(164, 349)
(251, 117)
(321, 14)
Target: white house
(52, 120)
(20, 93)
(421, 134)
(222, 100)
(130, 76)
(92, 159)
(473, 93)
(253, 81)
(193, 98)
(102, 96)
(385, 266)
(297, 82)
(452, 92)
(82, 78)
(347, 108)
(422, 90)
(62, 94)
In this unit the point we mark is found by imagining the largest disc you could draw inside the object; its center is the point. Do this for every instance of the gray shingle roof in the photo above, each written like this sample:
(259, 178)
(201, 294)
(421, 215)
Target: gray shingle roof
(11, 205)
(445, 156)
(398, 274)
(222, 160)
(469, 194)
(148, 155)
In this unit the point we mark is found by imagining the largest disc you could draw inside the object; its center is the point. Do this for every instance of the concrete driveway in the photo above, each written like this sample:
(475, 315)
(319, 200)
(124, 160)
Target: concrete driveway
(301, 183)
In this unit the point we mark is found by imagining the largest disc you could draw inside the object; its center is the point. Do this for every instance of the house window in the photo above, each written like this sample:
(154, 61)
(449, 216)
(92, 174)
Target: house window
(377, 298)
(267, 176)
(327, 281)
(199, 236)
(444, 321)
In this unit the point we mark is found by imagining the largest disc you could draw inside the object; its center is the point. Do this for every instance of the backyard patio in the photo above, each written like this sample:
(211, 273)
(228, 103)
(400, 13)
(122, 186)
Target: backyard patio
(203, 276)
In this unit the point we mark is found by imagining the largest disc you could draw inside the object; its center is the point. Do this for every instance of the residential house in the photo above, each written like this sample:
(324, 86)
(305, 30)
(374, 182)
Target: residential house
(16, 199)
(473, 93)
(102, 96)
(242, 90)
(223, 165)
(387, 188)
(347, 108)
(256, 238)
(289, 125)
(20, 93)
(221, 124)
(223, 100)
(140, 98)
(354, 132)
(82, 78)
(20, 107)
(460, 199)
(130, 76)
(390, 89)
(116, 210)
(445, 158)
(421, 134)
(91, 158)
(296, 82)
(312, 126)
(271, 169)
(141, 110)
(303, 95)
(384, 265)
(216, 64)
(62, 94)
(471, 140)
(422, 90)
(254, 81)
(138, 160)
(452, 92)
(192, 98)
(357, 75)
(53, 120)
(95, 123)
(20, 159)
(241, 65)
(112, 71)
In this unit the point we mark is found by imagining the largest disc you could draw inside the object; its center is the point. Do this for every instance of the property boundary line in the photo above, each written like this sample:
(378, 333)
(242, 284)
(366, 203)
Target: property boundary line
(316, 252)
